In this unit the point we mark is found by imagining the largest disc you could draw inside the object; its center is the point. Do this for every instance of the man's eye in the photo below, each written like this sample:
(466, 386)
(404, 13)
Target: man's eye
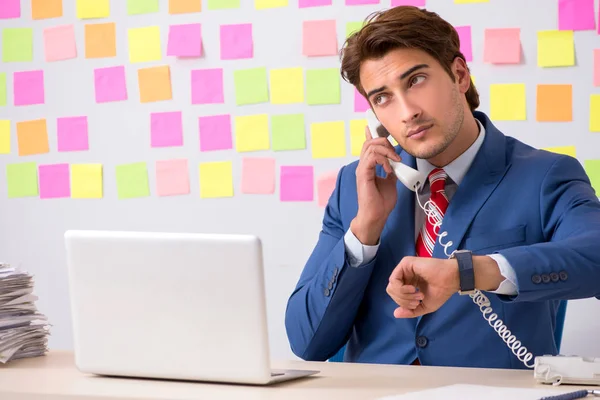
(380, 99)
(416, 80)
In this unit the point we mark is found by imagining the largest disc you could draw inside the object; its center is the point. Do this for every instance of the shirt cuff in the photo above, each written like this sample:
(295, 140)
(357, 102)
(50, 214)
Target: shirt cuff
(358, 253)
(509, 285)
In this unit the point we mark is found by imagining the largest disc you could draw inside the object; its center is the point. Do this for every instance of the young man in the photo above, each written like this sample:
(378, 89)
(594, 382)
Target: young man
(378, 279)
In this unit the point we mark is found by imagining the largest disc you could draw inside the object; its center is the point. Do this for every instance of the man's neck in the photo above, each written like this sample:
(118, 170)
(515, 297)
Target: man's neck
(465, 138)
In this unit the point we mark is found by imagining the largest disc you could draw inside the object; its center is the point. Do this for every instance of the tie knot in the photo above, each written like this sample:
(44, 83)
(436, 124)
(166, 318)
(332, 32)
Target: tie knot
(437, 180)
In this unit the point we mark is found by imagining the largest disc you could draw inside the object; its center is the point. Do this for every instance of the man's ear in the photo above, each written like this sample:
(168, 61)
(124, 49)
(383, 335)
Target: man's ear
(461, 74)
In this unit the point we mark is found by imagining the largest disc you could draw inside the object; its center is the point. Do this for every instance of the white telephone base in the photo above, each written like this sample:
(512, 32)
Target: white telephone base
(572, 370)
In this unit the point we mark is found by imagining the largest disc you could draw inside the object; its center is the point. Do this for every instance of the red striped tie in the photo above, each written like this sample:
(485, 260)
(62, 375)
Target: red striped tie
(438, 203)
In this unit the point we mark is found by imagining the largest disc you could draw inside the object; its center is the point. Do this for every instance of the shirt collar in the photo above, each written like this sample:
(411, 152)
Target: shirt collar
(458, 168)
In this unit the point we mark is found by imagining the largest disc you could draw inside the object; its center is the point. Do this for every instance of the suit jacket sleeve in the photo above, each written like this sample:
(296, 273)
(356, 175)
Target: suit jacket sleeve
(320, 312)
(567, 266)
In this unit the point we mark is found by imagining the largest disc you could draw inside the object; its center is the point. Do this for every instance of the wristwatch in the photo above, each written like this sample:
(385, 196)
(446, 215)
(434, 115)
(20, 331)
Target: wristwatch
(465, 271)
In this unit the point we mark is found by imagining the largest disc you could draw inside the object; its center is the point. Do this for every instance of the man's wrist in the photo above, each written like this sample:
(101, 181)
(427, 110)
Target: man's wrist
(367, 234)
(487, 273)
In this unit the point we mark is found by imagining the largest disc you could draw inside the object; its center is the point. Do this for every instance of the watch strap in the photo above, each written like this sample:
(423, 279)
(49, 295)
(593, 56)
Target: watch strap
(465, 271)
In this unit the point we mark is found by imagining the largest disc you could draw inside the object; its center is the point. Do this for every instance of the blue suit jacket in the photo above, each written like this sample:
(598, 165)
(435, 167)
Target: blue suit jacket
(536, 208)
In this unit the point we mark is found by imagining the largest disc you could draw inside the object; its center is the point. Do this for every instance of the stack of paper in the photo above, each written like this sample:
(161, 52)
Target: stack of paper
(23, 330)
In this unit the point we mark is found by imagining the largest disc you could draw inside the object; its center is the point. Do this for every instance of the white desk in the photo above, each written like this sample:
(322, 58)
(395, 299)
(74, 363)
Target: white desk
(55, 377)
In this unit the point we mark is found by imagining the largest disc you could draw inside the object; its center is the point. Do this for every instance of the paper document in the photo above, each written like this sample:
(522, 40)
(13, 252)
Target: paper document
(468, 392)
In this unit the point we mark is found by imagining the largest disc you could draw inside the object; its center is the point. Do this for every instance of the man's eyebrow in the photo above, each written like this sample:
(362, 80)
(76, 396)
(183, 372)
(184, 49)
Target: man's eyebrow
(403, 76)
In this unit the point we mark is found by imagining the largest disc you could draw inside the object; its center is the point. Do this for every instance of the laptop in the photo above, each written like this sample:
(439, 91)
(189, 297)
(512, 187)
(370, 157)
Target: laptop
(182, 306)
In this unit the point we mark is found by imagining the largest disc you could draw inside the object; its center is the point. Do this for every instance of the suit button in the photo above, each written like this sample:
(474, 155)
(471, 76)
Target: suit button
(545, 278)
(335, 272)
(326, 292)
(422, 341)
(330, 285)
(536, 279)
(563, 276)
(554, 277)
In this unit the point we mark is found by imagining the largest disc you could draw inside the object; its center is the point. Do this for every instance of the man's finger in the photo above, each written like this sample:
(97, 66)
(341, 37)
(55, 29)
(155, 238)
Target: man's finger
(401, 312)
(399, 272)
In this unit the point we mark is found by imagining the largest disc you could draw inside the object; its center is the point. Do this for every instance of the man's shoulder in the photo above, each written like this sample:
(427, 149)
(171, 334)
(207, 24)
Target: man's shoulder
(522, 155)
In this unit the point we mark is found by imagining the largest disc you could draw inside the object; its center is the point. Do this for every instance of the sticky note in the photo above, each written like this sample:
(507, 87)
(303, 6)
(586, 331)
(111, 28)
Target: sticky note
(45, 9)
(132, 180)
(185, 40)
(207, 86)
(86, 181)
(252, 132)
(236, 41)
(555, 49)
(325, 187)
(507, 102)
(470, 1)
(328, 139)
(251, 86)
(596, 72)
(287, 85)
(166, 129)
(502, 46)
(258, 175)
(357, 135)
(59, 43)
(323, 86)
(414, 3)
(313, 3)
(566, 150)
(296, 183)
(28, 87)
(4, 136)
(2, 88)
(262, 4)
(32, 137)
(576, 15)
(360, 2)
(595, 113)
(109, 84)
(135, 7)
(466, 45)
(184, 6)
(144, 44)
(172, 177)
(554, 103)
(22, 180)
(223, 4)
(288, 132)
(93, 9)
(215, 132)
(17, 44)
(100, 40)
(360, 102)
(155, 84)
(54, 181)
(10, 9)
(592, 168)
(216, 179)
(353, 26)
(319, 38)
(72, 133)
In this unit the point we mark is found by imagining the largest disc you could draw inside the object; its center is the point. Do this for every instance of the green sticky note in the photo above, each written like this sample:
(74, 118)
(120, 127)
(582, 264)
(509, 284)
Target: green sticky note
(323, 86)
(352, 27)
(132, 180)
(223, 4)
(251, 86)
(592, 168)
(288, 132)
(22, 180)
(2, 88)
(142, 6)
(17, 44)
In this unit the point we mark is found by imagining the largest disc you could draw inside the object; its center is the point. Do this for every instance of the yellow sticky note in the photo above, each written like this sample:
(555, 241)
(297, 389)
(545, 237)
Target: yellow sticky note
(144, 44)
(507, 102)
(595, 113)
(4, 136)
(252, 132)
(261, 4)
(93, 9)
(328, 139)
(357, 135)
(566, 150)
(555, 49)
(287, 86)
(86, 181)
(216, 179)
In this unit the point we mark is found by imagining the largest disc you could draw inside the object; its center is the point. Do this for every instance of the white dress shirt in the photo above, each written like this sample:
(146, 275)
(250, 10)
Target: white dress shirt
(359, 254)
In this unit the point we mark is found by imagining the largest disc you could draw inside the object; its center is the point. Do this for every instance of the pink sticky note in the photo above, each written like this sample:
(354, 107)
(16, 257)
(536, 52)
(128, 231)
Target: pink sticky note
(215, 132)
(185, 40)
(110, 84)
(416, 3)
(360, 102)
(10, 9)
(72, 133)
(296, 183)
(172, 177)
(28, 87)
(360, 2)
(319, 38)
(258, 175)
(313, 3)
(207, 86)
(236, 42)
(59, 43)
(576, 15)
(166, 129)
(54, 181)
(466, 47)
(502, 46)
(597, 67)
(325, 186)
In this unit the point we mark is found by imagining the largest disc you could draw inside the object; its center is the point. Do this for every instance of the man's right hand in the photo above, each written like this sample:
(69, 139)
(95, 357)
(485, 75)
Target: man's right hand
(376, 195)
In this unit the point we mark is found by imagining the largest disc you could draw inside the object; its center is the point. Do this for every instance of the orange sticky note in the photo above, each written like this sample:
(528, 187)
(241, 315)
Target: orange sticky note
(184, 6)
(43, 9)
(32, 137)
(155, 84)
(554, 103)
(100, 40)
